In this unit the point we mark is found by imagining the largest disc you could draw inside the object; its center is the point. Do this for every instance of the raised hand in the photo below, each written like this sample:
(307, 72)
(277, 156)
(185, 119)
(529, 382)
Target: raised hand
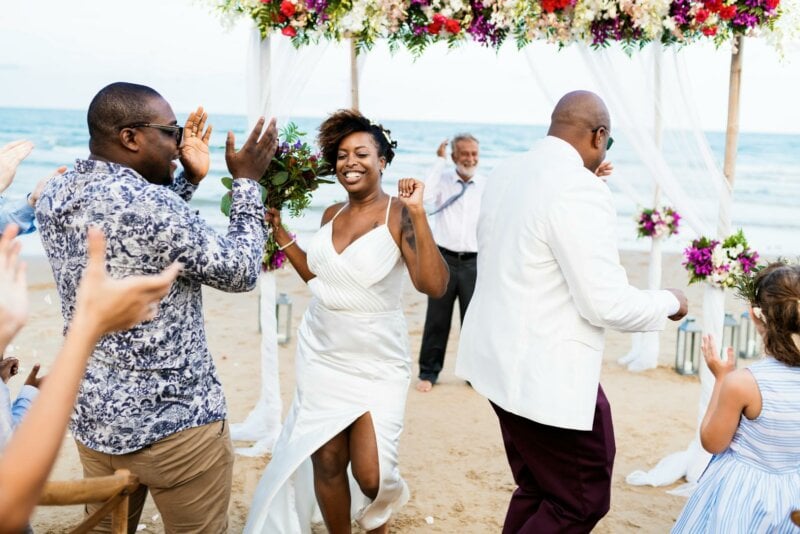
(252, 160)
(104, 304)
(194, 146)
(718, 367)
(33, 378)
(11, 155)
(33, 198)
(13, 292)
(8, 368)
(410, 192)
(442, 150)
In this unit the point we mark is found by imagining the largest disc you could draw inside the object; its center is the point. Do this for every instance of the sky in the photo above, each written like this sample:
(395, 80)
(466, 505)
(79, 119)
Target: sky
(56, 54)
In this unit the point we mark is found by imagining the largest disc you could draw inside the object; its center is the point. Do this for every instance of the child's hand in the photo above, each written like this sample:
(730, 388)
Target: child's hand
(8, 368)
(719, 368)
(33, 379)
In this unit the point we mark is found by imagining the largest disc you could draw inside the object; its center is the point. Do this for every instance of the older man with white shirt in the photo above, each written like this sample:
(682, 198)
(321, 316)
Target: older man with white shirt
(549, 283)
(455, 194)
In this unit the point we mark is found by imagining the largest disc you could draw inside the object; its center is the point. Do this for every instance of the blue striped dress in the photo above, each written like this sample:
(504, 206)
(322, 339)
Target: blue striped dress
(755, 483)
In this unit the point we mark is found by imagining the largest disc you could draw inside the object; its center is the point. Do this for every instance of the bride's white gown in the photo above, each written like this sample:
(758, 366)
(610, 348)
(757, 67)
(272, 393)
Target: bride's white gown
(352, 358)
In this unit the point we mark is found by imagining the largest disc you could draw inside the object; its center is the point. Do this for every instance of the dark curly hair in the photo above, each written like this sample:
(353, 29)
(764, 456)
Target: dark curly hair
(345, 122)
(777, 293)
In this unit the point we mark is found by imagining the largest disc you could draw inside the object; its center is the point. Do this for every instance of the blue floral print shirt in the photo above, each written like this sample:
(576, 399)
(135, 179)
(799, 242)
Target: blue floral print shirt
(144, 384)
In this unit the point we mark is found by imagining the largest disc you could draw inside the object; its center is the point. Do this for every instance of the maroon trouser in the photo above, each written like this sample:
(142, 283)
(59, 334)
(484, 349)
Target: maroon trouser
(563, 476)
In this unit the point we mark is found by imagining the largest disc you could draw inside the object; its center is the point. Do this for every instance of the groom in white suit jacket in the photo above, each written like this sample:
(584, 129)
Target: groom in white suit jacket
(549, 283)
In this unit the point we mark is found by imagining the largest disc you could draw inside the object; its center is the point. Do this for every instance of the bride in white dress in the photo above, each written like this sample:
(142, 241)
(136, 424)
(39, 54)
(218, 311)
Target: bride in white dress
(339, 441)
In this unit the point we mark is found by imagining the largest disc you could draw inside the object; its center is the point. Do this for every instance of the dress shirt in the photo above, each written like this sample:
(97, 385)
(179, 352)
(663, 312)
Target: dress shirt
(454, 228)
(549, 283)
(144, 384)
(11, 414)
(18, 212)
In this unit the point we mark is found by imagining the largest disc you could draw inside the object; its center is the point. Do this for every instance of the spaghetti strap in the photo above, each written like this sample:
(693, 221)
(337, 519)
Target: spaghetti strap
(340, 211)
(388, 207)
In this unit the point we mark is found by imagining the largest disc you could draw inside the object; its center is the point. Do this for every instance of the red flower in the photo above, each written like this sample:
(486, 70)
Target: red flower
(438, 18)
(288, 8)
(452, 26)
(772, 4)
(561, 4)
(710, 31)
(549, 5)
(289, 31)
(727, 12)
(714, 5)
(701, 15)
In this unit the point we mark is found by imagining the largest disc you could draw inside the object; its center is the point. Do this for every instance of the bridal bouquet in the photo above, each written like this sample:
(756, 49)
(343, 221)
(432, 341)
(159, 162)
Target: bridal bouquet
(653, 222)
(721, 264)
(294, 172)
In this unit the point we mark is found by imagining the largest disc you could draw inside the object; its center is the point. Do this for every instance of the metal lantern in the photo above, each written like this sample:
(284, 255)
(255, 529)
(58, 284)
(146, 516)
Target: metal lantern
(749, 339)
(283, 316)
(687, 349)
(730, 335)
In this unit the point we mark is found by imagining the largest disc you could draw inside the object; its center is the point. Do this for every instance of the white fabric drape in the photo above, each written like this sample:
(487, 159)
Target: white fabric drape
(277, 73)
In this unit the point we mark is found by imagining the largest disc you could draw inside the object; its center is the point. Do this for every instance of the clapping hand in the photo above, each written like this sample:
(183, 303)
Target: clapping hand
(33, 378)
(718, 367)
(8, 368)
(252, 160)
(13, 292)
(194, 146)
(11, 156)
(605, 169)
(410, 192)
(105, 304)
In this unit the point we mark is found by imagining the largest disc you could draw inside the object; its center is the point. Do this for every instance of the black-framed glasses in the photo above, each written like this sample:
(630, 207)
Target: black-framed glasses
(610, 141)
(177, 131)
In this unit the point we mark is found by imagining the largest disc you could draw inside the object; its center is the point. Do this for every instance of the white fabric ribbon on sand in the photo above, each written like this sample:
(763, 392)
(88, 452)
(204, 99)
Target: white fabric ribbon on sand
(277, 73)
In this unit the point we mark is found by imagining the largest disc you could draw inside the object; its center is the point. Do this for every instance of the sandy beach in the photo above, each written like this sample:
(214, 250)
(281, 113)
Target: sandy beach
(451, 453)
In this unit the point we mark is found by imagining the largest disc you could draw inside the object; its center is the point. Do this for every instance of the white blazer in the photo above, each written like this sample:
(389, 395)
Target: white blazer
(549, 284)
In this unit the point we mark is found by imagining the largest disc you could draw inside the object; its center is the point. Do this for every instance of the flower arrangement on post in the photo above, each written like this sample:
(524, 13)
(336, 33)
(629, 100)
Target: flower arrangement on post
(654, 222)
(288, 182)
(719, 264)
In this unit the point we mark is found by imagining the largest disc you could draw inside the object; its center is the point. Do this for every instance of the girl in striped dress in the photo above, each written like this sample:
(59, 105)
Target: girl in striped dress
(752, 424)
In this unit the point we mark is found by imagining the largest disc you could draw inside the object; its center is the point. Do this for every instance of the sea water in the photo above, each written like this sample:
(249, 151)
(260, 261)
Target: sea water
(766, 191)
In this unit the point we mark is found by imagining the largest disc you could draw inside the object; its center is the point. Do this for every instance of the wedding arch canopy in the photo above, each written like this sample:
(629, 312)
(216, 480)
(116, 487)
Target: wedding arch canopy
(594, 24)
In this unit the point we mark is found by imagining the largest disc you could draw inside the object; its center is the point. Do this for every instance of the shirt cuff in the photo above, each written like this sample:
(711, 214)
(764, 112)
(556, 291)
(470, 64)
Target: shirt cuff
(672, 303)
(28, 392)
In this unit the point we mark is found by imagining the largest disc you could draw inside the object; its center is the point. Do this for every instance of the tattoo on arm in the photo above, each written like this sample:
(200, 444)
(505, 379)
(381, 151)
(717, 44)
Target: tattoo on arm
(407, 230)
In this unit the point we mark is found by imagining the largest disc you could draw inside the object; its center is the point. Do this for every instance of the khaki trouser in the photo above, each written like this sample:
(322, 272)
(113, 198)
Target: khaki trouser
(188, 474)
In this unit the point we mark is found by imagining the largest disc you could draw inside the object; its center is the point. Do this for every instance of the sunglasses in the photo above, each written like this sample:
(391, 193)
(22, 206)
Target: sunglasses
(610, 141)
(176, 131)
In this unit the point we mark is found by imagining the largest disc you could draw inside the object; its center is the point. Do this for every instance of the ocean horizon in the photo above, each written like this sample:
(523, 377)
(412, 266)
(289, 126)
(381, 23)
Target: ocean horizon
(766, 189)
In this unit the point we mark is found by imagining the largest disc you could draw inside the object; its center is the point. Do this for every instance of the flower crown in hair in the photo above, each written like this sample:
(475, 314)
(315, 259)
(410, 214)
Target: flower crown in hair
(385, 132)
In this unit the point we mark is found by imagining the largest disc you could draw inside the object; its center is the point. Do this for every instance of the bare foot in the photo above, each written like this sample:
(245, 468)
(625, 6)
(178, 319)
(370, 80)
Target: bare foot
(424, 386)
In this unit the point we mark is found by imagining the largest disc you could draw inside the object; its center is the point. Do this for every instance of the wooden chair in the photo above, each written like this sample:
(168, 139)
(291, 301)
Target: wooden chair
(796, 517)
(113, 491)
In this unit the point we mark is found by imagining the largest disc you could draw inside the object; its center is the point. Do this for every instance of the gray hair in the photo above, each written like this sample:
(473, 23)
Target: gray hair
(462, 137)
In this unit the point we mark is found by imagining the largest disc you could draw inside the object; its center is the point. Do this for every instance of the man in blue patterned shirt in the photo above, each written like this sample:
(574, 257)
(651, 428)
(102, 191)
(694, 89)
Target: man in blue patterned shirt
(151, 400)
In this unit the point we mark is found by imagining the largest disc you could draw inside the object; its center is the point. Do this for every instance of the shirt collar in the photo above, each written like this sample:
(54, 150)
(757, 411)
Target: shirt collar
(87, 166)
(456, 178)
(557, 144)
